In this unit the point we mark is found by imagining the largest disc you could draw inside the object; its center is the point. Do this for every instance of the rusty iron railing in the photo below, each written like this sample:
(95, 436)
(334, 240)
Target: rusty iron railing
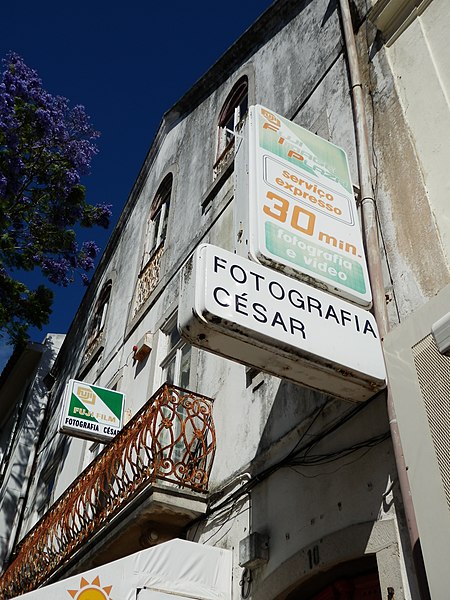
(171, 438)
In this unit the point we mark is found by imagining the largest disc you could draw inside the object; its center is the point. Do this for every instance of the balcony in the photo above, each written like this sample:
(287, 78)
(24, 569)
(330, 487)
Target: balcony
(149, 482)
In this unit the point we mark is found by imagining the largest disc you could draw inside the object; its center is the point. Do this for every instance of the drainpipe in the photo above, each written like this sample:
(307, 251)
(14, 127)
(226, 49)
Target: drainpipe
(370, 230)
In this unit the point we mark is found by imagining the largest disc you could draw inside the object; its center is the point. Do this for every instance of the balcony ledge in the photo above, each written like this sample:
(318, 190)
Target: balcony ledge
(158, 514)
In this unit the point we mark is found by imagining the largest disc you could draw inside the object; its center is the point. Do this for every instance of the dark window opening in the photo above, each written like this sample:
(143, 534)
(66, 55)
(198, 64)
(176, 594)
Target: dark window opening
(232, 114)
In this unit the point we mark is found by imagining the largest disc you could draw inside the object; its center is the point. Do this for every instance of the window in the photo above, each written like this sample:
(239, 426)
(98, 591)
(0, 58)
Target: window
(231, 115)
(91, 452)
(157, 222)
(99, 320)
(176, 370)
(155, 236)
(45, 490)
(176, 365)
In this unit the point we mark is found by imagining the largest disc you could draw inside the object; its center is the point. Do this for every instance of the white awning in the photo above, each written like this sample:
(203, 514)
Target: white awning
(175, 569)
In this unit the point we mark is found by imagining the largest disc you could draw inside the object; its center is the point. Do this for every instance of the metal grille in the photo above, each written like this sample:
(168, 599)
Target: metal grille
(433, 372)
(171, 438)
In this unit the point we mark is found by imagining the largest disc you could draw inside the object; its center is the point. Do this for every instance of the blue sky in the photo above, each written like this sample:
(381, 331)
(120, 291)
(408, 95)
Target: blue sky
(127, 64)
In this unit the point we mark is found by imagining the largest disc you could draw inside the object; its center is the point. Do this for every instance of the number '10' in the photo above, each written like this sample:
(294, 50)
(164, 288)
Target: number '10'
(280, 209)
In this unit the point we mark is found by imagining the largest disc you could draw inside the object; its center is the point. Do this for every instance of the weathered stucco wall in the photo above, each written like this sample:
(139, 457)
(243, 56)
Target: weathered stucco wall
(409, 157)
(298, 70)
(423, 49)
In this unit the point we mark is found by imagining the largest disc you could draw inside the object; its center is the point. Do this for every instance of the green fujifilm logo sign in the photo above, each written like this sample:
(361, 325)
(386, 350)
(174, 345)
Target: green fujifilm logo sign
(91, 412)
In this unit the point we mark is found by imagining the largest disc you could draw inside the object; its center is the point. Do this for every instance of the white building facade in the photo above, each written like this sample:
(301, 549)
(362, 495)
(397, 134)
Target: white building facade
(304, 489)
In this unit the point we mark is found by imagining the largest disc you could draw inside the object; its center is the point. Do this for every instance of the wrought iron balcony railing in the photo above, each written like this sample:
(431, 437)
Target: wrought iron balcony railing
(171, 438)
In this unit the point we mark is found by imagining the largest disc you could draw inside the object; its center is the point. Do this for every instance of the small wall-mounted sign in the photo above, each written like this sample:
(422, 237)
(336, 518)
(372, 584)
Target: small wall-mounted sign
(91, 412)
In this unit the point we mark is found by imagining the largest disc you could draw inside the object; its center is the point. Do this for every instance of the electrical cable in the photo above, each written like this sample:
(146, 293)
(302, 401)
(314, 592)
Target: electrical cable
(302, 437)
(351, 462)
(290, 458)
(339, 422)
(322, 459)
(240, 512)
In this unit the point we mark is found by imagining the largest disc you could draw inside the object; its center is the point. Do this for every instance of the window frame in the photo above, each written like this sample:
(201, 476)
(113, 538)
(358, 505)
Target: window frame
(157, 222)
(234, 110)
(46, 488)
(173, 354)
(98, 322)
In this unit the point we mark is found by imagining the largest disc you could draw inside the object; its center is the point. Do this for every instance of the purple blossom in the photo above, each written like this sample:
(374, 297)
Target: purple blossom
(57, 271)
(86, 263)
(56, 126)
(91, 249)
(102, 215)
(45, 148)
(89, 252)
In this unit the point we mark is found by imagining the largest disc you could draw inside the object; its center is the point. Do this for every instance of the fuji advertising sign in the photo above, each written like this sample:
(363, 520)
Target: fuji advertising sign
(244, 311)
(296, 210)
(91, 412)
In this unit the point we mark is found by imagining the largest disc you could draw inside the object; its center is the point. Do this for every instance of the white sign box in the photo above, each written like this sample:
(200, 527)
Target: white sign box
(295, 206)
(91, 412)
(246, 312)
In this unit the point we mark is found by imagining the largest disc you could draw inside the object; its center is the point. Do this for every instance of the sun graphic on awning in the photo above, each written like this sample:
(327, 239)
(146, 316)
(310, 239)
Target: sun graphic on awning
(91, 591)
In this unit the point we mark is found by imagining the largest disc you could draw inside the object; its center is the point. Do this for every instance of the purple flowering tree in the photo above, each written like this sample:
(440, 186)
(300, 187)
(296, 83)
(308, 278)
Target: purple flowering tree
(45, 148)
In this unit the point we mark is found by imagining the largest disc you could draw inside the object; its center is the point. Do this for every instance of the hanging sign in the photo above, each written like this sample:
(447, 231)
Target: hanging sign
(91, 412)
(296, 209)
(257, 316)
